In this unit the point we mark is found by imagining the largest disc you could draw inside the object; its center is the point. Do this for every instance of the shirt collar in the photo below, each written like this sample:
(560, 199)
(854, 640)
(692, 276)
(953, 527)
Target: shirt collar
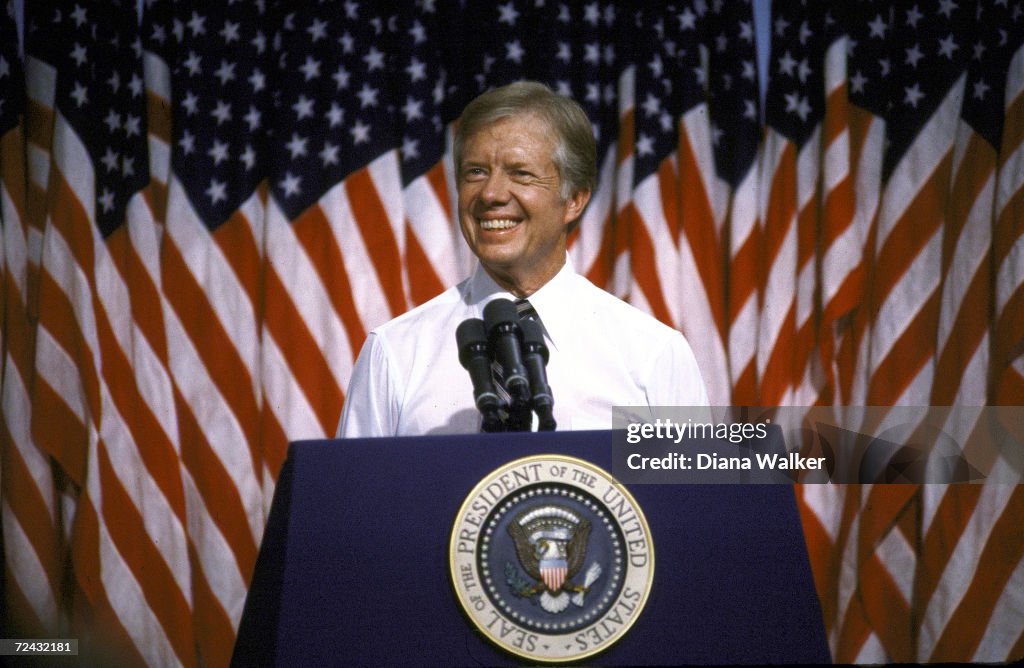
(553, 301)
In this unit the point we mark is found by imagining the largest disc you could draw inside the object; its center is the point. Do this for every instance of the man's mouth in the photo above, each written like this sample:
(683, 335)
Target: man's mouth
(498, 224)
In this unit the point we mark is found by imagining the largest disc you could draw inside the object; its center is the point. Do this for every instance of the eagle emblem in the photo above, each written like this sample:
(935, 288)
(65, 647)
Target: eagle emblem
(551, 544)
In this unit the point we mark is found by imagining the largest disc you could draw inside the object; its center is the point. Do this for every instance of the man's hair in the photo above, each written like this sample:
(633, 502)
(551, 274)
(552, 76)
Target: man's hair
(575, 154)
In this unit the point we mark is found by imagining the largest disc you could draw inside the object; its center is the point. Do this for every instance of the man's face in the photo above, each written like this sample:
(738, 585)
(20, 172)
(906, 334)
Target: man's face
(510, 207)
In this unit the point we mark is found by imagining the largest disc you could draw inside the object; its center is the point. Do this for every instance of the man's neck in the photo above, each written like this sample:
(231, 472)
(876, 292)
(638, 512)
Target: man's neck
(524, 284)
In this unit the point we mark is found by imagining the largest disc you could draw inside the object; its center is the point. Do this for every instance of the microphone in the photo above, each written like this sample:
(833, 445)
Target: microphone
(535, 358)
(502, 322)
(475, 357)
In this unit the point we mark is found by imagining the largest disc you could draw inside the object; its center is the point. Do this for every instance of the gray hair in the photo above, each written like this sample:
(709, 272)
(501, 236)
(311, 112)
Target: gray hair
(575, 154)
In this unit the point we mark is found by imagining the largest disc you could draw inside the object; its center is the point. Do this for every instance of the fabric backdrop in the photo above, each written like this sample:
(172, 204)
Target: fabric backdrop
(205, 208)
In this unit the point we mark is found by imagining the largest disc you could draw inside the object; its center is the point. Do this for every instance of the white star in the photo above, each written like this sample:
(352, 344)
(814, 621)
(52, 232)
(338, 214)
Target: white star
(797, 104)
(374, 59)
(687, 20)
(749, 71)
(259, 42)
(609, 54)
(651, 105)
(217, 191)
(5, 67)
(106, 200)
(593, 93)
(914, 55)
(665, 121)
(329, 154)
(803, 70)
(367, 96)
(222, 113)
(79, 16)
(722, 43)
(318, 30)
(592, 53)
(226, 72)
(187, 143)
(110, 160)
(252, 118)
(303, 108)
(193, 63)
(197, 24)
(347, 42)
(656, 66)
(191, 103)
(159, 34)
(980, 89)
(418, 32)
(644, 145)
(781, 25)
(786, 64)
(979, 50)
(591, 14)
(297, 145)
(257, 80)
(335, 115)
(113, 120)
(749, 110)
(885, 66)
(248, 158)
(948, 46)
(947, 7)
(80, 93)
(78, 54)
(747, 32)
(913, 96)
(114, 82)
(412, 109)
(857, 82)
(514, 51)
(310, 68)
(229, 32)
(716, 135)
(352, 10)
(219, 152)
(805, 33)
(416, 70)
(133, 126)
(410, 148)
(913, 16)
(178, 30)
(290, 185)
(878, 27)
(127, 166)
(341, 77)
(135, 85)
(564, 53)
(360, 133)
(563, 88)
(508, 14)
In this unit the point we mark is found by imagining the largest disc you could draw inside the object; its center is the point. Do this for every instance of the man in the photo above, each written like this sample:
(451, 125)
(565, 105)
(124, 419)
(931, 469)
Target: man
(525, 168)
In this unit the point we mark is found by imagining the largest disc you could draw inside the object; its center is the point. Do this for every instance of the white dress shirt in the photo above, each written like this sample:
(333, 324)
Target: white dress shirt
(603, 353)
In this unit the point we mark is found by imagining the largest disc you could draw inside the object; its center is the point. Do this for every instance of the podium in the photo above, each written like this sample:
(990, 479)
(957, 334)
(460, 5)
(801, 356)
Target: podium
(353, 566)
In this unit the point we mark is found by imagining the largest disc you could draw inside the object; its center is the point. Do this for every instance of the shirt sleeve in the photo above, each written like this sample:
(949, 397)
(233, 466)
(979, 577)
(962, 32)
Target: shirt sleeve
(371, 407)
(676, 380)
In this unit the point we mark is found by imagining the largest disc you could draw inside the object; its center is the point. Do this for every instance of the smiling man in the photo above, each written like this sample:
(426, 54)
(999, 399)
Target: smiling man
(525, 169)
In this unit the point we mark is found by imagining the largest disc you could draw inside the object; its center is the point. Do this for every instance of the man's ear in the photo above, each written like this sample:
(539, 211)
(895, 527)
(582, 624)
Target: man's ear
(575, 205)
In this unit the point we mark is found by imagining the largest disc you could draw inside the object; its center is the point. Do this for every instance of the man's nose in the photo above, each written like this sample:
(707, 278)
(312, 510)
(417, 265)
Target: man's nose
(495, 189)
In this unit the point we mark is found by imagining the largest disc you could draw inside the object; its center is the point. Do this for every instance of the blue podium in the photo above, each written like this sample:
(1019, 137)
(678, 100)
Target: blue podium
(353, 566)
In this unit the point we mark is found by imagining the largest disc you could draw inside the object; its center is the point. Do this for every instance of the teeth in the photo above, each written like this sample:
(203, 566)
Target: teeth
(503, 224)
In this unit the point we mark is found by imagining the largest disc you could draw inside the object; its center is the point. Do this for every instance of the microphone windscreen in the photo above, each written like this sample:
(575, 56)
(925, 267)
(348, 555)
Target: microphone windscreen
(500, 311)
(533, 337)
(470, 332)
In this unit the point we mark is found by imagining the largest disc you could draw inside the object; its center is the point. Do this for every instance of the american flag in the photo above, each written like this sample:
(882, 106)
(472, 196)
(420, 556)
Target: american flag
(207, 206)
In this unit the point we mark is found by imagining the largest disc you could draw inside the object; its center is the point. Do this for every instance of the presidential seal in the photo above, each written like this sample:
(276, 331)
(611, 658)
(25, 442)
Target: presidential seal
(551, 559)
